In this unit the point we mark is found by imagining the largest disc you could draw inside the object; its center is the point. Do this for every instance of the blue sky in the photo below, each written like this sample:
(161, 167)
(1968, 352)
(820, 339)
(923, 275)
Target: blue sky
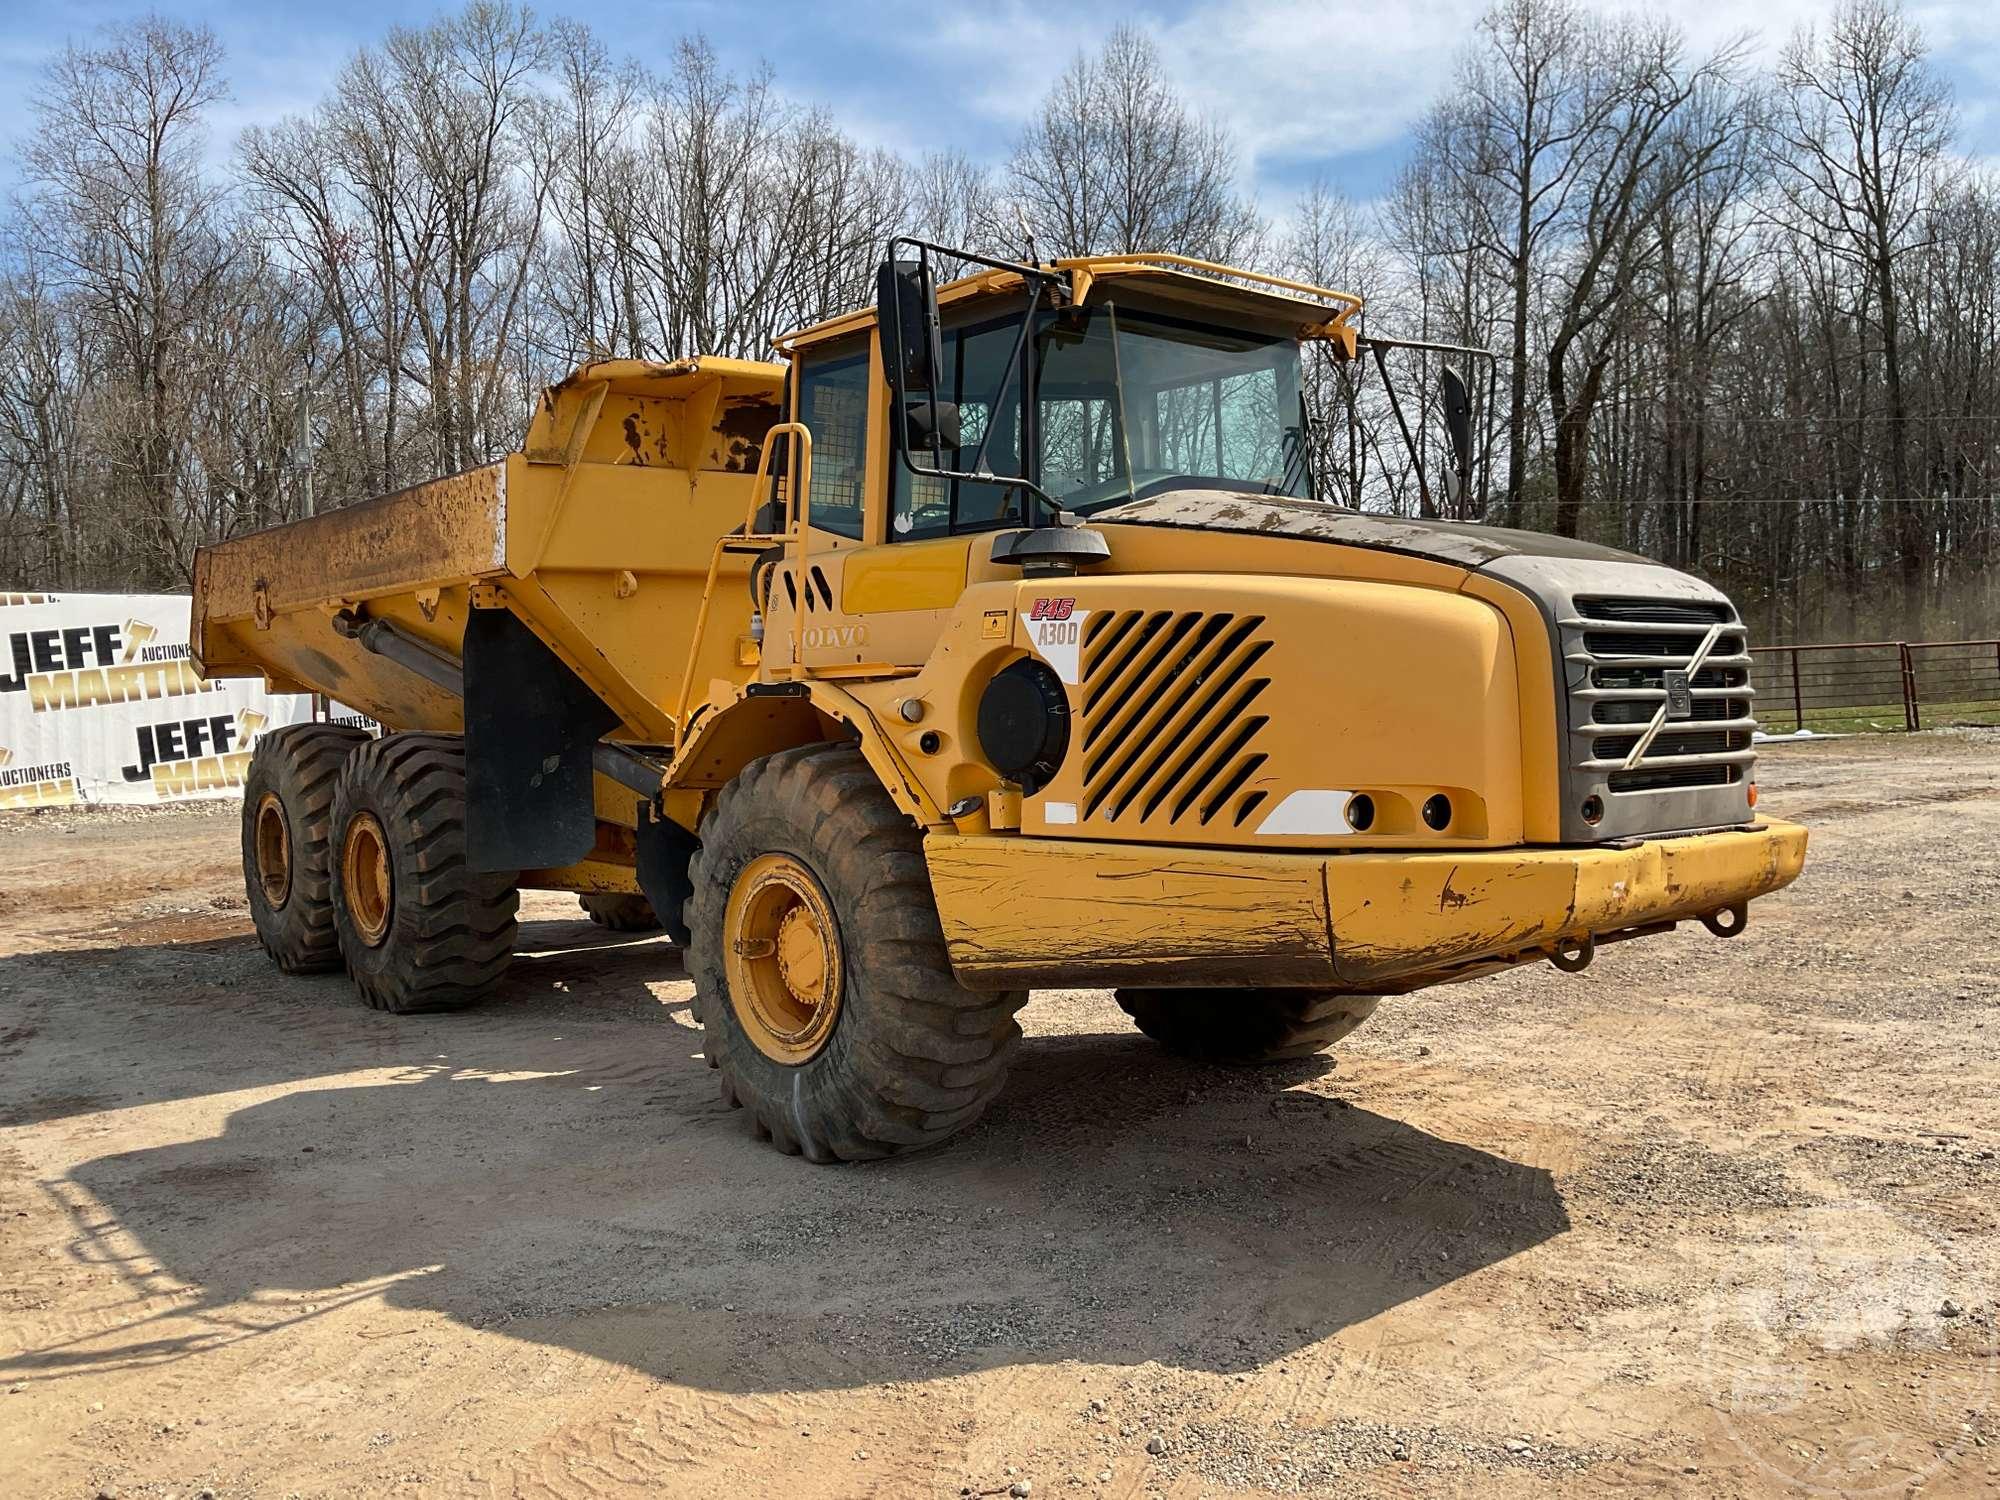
(1308, 86)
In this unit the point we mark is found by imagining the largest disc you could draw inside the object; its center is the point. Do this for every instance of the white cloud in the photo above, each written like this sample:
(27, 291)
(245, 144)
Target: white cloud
(1005, 56)
(1290, 79)
(1303, 85)
(1319, 80)
(1313, 81)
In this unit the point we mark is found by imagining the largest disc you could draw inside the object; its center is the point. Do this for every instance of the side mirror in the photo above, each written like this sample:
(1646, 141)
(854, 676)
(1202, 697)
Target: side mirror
(930, 424)
(906, 310)
(1458, 428)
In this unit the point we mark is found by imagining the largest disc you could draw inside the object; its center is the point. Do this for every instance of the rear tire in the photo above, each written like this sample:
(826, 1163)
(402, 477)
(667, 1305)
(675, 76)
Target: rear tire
(419, 928)
(621, 911)
(287, 831)
(811, 894)
(1245, 1026)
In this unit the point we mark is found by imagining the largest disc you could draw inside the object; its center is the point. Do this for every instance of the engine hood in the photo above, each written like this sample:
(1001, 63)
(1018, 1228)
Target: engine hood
(1462, 544)
(1593, 600)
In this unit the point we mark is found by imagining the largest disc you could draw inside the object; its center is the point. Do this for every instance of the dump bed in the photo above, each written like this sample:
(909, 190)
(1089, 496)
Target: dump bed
(597, 535)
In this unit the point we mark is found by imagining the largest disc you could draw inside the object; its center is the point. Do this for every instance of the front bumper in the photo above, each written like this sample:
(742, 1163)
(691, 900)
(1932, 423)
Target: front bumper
(1036, 912)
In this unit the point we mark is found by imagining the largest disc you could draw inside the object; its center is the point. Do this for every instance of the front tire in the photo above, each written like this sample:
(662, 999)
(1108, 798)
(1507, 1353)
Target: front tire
(1245, 1026)
(420, 929)
(821, 976)
(287, 832)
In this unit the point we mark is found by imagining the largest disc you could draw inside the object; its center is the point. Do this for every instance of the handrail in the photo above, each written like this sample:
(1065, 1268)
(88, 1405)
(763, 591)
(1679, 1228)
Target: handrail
(801, 437)
(801, 522)
(800, 433)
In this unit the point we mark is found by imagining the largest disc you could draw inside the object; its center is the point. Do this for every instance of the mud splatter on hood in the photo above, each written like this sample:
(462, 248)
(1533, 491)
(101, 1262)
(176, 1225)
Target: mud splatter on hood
(1460, 543)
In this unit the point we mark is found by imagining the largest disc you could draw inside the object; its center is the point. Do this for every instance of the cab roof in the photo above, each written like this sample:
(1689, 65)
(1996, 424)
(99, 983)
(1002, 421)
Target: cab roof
(1315, 312)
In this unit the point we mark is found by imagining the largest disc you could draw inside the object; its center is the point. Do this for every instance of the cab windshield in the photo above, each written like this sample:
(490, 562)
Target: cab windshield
(1126, 404)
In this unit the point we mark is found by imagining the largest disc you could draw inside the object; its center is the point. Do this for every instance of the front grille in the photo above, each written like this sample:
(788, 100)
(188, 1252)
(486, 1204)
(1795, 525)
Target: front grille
(1666, 743)
(1167, 729)
(1619, 651)
(1672, 778)
(1654, 677)
(1655, 611)
(1677, 644)
(1640, 710)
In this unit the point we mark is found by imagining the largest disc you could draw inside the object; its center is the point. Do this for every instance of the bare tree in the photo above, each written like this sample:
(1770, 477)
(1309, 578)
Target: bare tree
(1331, 242)
(953, 200)
(582, 150)
(1702, 288)
(1510, 135)
(710, 223)
(46, 366)
(1632, 165)
(463, 87)
(124, 219)
(1451, 288)
(1865, 123)
(1116, 162)
(1771, 358)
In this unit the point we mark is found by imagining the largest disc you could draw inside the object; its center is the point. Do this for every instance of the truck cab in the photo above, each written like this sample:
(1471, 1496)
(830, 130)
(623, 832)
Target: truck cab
(1158, 412)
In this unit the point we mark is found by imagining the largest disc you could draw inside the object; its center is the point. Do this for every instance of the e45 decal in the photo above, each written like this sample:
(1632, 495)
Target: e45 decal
(1055, 634)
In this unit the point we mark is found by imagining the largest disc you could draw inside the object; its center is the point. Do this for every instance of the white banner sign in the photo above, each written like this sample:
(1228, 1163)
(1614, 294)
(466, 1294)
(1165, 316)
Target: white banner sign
(99, 702)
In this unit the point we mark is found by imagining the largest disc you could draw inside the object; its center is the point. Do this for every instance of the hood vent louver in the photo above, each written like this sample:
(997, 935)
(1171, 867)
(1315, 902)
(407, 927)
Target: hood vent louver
(1168, 728)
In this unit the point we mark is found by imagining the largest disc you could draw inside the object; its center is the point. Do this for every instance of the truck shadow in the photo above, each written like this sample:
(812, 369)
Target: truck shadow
(557, 1166)
(307, 1024)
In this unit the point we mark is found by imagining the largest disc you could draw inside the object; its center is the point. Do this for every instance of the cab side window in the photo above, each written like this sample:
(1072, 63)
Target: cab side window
(833, 403)
(975, 359)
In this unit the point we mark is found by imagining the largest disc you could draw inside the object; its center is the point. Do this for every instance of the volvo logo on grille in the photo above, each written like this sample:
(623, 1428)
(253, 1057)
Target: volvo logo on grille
(1680, 699)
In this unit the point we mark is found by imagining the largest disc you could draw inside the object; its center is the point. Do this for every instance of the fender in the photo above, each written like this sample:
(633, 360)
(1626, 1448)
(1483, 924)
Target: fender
(763, 718)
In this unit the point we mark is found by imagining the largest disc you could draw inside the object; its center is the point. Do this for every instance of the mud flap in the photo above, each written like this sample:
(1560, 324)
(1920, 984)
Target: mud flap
(530, 727)
(665, 851)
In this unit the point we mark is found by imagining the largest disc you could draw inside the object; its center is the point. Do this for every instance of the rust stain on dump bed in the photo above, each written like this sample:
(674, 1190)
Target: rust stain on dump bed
(449, 528)
(742, 425)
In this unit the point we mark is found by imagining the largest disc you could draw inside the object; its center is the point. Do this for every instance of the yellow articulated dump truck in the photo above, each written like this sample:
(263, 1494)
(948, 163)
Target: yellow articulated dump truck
(995, 637)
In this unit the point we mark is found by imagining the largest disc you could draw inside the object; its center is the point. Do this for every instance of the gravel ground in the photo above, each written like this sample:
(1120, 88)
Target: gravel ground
(1715, 1218)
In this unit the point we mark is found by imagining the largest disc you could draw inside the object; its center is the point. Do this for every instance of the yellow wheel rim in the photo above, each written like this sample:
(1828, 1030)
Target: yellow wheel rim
(783, 959)
(272, 841)
(364, 878)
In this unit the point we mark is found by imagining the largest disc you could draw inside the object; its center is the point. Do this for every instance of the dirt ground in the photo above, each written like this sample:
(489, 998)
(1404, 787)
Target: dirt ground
(1714, 1218)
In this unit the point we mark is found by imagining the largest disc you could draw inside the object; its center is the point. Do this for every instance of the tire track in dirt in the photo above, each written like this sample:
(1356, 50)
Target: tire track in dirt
(622, 1430)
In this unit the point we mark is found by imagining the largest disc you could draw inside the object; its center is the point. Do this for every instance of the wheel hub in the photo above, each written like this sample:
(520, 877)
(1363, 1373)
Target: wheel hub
(802, 955)
(272, 841)
(783, 959)
(365, 878)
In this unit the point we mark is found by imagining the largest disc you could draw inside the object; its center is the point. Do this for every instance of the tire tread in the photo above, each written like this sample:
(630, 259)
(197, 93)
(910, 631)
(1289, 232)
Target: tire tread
(923, 1056)
(453, 930)
(302, 763)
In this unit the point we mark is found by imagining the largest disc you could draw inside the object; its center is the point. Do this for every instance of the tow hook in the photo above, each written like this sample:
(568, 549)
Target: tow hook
(1727, 921)
(1574, 956)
